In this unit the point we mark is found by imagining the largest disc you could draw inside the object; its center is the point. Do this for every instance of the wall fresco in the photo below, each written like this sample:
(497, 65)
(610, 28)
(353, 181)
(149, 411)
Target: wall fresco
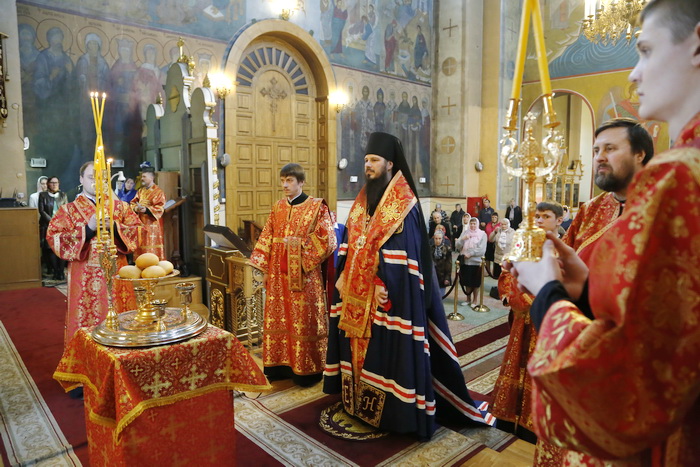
(63, 57)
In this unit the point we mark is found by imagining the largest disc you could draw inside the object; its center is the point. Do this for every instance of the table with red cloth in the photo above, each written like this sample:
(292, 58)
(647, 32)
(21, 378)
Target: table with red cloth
(164, 405)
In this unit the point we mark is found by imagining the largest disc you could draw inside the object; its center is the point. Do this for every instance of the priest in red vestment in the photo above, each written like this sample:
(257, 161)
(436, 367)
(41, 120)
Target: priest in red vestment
(621, 148)
(297, 238)
(71, 235)
(616, 369)
(149, 204)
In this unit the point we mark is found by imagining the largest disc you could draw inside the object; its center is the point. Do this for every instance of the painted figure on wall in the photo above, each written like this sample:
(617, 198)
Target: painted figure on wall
(379, 111)
(91, 74)
(121, 78)
(52, 88)
(340, 17)
(146, 86)
(424, 139)
(420, 52)
(28, 53)
(372, 45)
(326, 19)
(390, 46)
(415, 122)
(363, 121)
(391, 118)
(174, 56)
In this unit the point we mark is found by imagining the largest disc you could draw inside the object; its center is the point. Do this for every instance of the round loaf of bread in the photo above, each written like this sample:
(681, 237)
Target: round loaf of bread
(167, 266)
(152, 272)
(147, 259)
(129, 272)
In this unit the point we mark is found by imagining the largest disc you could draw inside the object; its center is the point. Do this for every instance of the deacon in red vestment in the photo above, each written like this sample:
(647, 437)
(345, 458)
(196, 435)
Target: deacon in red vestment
(149, 204)
(621, 148)
(71, 235)
(618, 381)
(297, 238)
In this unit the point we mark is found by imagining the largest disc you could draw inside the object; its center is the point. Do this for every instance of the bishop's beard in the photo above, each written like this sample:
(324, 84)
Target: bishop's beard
(374, 188)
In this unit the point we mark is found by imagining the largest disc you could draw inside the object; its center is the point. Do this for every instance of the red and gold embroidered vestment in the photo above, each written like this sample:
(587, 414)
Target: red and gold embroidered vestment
(151, 233)
(87, 285)
(295, 241)
(625, 386)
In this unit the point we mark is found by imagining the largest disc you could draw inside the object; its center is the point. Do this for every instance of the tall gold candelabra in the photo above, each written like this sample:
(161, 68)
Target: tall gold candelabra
(528, 159)
(104, 208)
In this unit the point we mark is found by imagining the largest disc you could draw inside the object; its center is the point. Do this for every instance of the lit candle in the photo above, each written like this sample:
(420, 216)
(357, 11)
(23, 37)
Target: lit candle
(541, 49)
(522, 49)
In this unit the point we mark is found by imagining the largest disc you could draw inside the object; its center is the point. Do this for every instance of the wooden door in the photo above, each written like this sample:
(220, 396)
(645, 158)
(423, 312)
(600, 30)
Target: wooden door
(273, 119)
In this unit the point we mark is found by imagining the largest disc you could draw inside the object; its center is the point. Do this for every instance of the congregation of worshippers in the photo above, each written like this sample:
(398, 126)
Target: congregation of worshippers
(341, 184)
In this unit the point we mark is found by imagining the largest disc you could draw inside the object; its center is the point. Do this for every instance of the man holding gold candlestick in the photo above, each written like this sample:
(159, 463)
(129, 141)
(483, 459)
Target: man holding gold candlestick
(149, 205)
(615, 369)
(72, 235)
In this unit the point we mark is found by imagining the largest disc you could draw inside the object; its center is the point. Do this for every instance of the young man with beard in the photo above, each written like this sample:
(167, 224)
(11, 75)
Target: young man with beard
(622, 148)
(615, 371)
(390, 353)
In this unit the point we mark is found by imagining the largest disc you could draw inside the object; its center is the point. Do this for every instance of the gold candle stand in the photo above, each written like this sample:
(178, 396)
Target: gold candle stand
(455, 315)
(481, 308)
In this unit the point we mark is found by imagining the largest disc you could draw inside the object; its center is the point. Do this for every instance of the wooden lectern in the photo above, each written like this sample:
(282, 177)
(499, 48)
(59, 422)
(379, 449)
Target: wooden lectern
(235, 287)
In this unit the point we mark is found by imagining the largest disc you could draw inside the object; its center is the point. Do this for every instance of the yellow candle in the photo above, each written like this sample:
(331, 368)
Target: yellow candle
(541, 49)
(110, 200)
(98, 199)
(522, 49)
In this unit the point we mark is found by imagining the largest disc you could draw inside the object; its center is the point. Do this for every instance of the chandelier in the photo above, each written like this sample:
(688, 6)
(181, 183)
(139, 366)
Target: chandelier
(606, 21)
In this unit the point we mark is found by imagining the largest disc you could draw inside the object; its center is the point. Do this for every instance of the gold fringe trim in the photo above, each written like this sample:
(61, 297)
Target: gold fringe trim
(150, 403)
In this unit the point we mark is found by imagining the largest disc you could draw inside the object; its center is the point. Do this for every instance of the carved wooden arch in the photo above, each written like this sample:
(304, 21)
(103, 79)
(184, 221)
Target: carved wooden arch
(312, 76)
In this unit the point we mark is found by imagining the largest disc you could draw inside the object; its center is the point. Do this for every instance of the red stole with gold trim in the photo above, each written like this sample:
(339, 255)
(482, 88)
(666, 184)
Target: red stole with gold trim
(366, 235)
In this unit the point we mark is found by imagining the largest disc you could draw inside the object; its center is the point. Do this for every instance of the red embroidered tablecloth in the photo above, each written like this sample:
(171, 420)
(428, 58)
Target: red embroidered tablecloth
(166, 404)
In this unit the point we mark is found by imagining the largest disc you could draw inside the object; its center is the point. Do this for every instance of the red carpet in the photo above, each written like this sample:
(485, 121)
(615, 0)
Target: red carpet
(35, 319)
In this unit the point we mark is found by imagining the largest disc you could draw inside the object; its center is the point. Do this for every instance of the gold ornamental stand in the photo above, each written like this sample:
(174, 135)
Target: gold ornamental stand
(152, 323)
(481, 308)
(455, 315)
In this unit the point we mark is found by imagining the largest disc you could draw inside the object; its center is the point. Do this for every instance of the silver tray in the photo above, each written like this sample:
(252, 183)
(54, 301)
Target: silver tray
(132, 333)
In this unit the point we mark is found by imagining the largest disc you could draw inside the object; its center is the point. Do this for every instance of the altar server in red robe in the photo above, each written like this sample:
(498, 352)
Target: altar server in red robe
(149, 204)
(616, 369)
(297, 237)
(72, 236)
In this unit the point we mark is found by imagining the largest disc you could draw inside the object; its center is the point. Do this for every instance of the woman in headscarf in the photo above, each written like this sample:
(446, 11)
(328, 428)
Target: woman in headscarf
(502, 236)
(442, 258)
(472, 246)
(40, 186)
(49, 203)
